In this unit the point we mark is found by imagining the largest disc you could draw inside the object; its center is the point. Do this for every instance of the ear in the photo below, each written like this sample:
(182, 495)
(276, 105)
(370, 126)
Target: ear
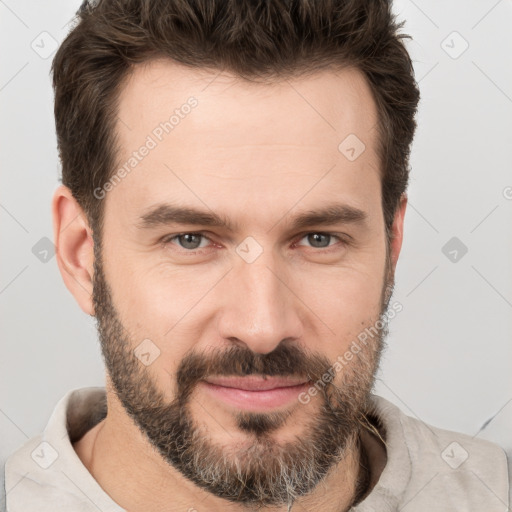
(74, 247)
(397, 233)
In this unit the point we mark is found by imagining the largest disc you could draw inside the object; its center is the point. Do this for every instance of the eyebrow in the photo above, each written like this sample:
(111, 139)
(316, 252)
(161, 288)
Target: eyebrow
(166, 214)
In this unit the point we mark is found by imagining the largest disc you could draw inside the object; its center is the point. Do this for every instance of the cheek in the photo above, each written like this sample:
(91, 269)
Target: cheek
(158, 307)
(343, 303)
(154, 295)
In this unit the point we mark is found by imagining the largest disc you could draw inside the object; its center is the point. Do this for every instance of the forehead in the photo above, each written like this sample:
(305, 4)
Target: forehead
(243, 136)
(331, 100)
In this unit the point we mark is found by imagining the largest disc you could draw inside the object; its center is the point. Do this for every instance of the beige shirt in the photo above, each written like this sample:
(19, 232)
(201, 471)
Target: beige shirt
(427, 469)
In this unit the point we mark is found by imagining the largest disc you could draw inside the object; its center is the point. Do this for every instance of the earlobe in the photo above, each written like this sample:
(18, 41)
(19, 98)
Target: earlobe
(74, 247)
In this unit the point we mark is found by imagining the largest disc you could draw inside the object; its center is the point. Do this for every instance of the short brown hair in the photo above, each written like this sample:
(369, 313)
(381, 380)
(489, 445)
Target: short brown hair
(264, 39)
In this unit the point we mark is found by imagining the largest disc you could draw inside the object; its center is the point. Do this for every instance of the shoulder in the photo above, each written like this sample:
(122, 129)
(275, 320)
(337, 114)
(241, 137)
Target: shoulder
(450, 470)
(46, 470)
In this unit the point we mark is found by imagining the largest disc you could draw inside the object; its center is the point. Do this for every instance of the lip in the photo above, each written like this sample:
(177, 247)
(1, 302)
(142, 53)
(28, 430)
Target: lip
(254, 392)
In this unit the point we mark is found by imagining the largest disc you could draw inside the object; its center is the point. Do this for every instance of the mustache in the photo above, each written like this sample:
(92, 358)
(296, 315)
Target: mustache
(283, 361)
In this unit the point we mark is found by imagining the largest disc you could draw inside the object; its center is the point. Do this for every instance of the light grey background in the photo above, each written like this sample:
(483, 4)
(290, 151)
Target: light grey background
(449, 360)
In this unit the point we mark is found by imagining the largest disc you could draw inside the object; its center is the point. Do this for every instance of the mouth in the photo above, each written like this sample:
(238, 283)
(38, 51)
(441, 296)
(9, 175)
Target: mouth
(255, 392)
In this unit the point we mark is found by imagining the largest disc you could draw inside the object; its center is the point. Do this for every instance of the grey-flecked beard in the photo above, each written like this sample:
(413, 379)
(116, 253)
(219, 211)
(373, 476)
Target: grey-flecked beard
(262, 472)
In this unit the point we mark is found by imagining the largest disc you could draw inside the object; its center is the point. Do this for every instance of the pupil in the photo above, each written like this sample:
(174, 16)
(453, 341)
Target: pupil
(316, 237)
(189, 242)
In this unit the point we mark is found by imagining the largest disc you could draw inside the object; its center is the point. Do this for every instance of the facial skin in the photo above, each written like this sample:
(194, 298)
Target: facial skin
(258, 155)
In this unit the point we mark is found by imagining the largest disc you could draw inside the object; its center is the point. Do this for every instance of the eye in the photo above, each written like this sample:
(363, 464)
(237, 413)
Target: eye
(189, 241)
(322, 240)
(193, 241)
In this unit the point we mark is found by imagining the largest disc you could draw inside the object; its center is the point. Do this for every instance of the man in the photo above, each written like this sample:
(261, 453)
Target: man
(234, 191)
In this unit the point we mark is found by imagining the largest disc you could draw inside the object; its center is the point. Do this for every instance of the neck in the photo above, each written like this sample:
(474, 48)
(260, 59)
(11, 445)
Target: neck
(137, 478)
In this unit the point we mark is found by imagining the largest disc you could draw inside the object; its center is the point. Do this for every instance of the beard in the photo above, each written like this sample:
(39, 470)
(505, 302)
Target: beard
(262, 471)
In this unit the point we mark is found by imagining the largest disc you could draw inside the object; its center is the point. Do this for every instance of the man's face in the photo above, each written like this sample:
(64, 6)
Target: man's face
(238, 320)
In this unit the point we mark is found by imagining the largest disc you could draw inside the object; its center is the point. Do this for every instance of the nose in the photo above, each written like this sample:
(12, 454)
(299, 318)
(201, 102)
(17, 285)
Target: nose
(259, 309)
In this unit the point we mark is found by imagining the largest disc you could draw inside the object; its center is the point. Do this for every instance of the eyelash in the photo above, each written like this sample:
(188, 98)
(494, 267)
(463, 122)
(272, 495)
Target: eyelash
(167, 240)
